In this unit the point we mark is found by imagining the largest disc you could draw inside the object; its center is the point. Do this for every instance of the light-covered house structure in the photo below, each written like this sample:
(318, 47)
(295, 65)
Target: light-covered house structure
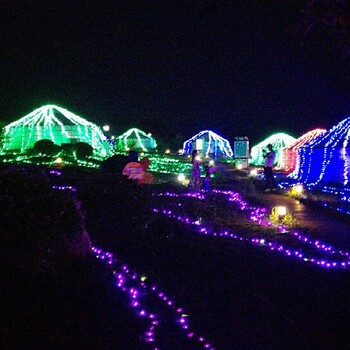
(326, 159)
(289, 155)
(208, 143)
(56, 124)
(278, 142)
(136, 140)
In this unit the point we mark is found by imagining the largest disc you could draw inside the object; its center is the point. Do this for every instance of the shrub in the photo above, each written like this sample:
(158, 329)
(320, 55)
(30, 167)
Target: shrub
(40, 226)
(46, 147)
(83, 150)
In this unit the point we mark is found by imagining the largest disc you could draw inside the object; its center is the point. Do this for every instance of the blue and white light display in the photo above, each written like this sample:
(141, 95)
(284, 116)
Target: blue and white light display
(208, 143)
(326, 159)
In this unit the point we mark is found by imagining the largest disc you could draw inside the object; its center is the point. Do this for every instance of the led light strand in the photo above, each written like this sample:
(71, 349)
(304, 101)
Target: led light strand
(278, 141)
(257, 215)
(289, 154)
(134, 286)
(216, 144)
(142, 141)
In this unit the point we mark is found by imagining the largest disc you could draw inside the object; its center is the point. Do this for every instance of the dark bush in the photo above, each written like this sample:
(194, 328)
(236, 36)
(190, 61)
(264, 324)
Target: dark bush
(83, 150)
(40, 226)
(46, 147)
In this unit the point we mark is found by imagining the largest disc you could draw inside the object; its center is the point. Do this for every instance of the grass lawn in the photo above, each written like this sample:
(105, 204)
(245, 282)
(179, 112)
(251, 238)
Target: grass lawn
(239, 296)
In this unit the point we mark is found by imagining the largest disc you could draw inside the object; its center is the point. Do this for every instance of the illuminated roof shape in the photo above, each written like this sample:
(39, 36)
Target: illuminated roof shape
(135, 139)
(326, 159)
(215, 144)
(278, 142)
(289, 155)
(56, 124)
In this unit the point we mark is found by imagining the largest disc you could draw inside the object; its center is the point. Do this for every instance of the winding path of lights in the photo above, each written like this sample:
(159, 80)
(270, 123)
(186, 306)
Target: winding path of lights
(134, 285)
(258, 215)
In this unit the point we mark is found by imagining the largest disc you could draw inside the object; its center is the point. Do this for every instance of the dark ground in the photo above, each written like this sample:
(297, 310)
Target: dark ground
(237, 295)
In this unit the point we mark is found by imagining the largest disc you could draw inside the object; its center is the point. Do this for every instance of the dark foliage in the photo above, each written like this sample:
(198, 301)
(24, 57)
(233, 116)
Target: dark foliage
(46, 147)
(83, 150)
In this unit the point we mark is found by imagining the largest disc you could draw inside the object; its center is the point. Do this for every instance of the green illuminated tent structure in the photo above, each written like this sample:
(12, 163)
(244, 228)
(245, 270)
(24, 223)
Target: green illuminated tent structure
(136, 140)
(56, 124)
(278, 142)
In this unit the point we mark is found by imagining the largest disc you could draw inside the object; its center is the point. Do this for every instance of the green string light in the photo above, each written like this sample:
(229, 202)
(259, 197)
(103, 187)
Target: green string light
(56, 124)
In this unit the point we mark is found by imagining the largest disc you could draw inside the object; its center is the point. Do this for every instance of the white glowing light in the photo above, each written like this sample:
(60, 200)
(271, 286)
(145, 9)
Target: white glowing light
(105, 128)
(281, 210)
(211, 162)
(298, 189)
(181, 177)
(254, 172)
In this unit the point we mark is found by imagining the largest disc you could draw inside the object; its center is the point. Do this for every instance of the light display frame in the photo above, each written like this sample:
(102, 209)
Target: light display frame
(56, 124)
(278, 142)
(144, 142)
(216, 145)
(289, 155)
(326, 159)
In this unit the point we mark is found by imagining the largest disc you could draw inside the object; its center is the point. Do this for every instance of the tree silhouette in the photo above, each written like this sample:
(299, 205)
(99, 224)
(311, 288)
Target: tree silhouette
(333, 16)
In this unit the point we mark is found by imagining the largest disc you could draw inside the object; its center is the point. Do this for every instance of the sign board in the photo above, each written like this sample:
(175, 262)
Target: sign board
(199, 144)
(241, 147)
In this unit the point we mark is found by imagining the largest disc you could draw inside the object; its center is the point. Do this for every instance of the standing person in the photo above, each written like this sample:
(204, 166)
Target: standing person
(206, 180)
(196, 172)
(269, 156)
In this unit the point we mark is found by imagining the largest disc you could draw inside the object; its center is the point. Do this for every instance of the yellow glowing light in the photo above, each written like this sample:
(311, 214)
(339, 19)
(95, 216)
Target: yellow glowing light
(180, 151)
(281, 211)
(142, 154)
(239, 166)
(149, 134)
(167, 151)
(59, 160)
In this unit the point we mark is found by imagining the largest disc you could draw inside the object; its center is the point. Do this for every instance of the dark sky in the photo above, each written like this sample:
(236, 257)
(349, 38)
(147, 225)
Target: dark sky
(171, 67)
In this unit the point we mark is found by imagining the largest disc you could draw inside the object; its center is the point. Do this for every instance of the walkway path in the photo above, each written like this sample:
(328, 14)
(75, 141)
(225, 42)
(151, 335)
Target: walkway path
(320, 222)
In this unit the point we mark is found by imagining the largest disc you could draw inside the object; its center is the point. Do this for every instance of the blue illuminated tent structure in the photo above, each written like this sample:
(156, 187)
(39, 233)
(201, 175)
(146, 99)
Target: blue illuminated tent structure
(326, 159)
(208, 143)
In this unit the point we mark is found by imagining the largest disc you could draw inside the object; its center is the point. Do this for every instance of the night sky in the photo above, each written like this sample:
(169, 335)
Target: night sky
(172, 68)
